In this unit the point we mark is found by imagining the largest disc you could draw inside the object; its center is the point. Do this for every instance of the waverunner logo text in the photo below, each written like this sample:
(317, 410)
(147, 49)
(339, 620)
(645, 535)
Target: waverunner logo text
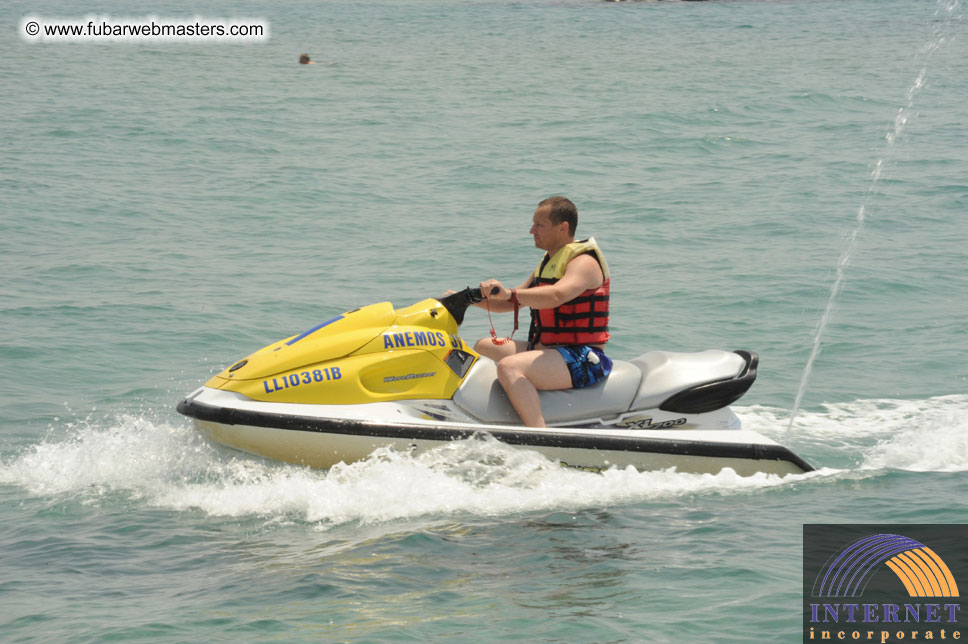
(646, 423)
(909, 591)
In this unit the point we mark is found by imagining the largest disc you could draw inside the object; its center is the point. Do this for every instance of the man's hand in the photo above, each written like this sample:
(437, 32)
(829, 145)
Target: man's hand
(502, 294)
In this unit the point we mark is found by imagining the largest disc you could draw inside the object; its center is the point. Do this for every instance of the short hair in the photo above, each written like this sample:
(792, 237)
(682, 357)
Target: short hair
(303, 58)
(562, 209)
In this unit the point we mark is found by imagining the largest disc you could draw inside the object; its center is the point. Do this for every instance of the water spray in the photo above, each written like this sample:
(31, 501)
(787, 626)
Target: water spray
(943, 17)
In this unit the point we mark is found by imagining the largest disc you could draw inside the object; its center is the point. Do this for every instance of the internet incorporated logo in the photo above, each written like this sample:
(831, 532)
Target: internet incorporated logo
(907, 587)
(922, 572)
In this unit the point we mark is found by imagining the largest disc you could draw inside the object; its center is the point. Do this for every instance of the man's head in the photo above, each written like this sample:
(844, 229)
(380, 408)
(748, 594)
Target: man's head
(304, 59)
(562, 210)
(554, 223)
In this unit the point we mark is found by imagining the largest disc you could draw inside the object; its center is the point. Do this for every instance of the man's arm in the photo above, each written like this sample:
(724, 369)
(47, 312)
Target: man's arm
(581, 274)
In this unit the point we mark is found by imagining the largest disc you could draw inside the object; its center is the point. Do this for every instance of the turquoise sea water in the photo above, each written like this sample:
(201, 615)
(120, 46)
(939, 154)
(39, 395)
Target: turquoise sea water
(167, 208)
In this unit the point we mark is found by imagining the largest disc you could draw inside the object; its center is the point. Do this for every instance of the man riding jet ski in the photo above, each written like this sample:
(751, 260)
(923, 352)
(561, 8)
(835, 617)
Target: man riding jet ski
(404, 379)
(568, 296)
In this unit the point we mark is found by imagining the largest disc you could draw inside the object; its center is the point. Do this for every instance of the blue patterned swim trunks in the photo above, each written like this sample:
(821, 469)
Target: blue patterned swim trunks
(587, 365)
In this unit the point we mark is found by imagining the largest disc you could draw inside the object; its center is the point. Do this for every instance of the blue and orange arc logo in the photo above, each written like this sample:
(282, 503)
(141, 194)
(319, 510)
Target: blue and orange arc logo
(920, 569)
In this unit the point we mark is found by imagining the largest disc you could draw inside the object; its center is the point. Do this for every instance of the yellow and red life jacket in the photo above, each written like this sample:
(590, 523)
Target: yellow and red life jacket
(583, 320)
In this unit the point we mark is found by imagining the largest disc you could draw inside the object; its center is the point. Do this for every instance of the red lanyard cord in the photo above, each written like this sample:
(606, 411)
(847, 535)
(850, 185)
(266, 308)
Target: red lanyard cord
(517, 306)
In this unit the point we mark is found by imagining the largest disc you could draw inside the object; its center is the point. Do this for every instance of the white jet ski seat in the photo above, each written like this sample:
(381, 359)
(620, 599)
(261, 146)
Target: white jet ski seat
(483, 397)
(680, 382)
(667, 373)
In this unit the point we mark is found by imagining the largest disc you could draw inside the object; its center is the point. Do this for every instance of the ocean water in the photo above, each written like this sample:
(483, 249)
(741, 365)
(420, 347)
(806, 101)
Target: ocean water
(789, 177)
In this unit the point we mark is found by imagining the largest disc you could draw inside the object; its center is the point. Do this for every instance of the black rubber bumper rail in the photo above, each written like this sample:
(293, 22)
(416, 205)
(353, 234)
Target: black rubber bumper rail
(590, 441)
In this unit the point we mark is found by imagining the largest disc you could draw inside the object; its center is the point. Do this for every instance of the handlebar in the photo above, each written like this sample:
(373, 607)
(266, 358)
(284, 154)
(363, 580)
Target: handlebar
(457, 303)
(478, 295)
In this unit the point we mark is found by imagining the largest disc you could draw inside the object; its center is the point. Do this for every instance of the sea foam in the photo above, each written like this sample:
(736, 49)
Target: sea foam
(165, 465)
(928, 435)
(168, 465)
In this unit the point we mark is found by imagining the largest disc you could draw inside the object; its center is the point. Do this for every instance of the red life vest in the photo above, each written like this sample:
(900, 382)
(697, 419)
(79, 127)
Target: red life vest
(583, 320)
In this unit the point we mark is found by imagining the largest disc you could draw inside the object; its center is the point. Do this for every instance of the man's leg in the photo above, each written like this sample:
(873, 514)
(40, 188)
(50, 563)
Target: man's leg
(496, 352)
(523, 374)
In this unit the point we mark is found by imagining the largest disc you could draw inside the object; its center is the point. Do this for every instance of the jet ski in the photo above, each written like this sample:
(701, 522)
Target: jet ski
(404, 378)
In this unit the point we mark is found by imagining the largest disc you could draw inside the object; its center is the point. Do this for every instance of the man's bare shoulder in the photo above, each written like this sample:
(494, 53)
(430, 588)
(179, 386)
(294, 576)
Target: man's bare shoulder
(585, 268)
(584, 263)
